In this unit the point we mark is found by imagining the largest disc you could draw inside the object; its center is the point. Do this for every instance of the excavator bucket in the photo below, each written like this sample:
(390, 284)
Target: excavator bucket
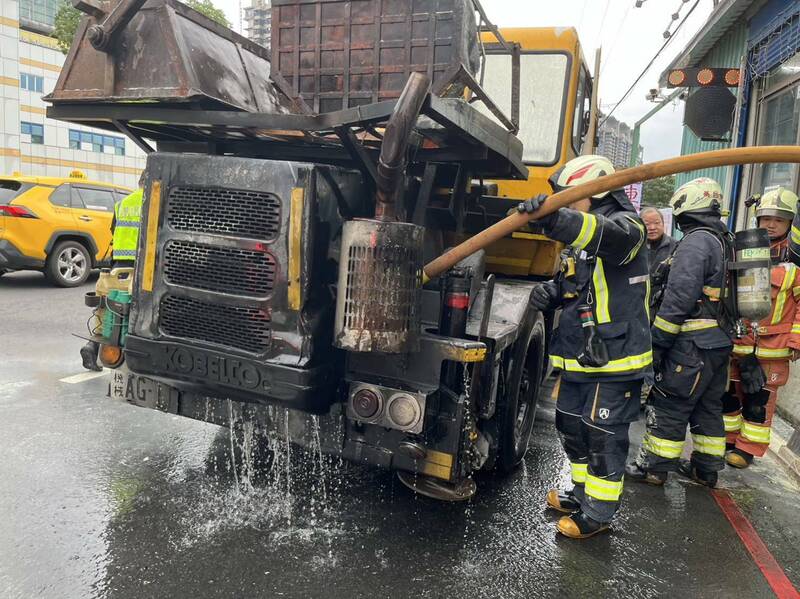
(163, 52)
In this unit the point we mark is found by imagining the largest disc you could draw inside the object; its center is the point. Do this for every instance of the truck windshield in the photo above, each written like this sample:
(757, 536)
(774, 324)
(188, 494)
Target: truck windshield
(543, 79)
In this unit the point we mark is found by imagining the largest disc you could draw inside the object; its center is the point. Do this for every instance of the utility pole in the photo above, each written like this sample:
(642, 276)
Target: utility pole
(637, 127)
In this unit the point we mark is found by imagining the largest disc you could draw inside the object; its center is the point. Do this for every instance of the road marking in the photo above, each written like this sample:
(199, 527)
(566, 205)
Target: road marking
(83, 376)
(766, 562)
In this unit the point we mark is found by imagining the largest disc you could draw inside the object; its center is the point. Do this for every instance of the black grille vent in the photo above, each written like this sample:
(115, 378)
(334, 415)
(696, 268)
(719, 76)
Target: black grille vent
(225, 270)
(239, 327)
(234, 212)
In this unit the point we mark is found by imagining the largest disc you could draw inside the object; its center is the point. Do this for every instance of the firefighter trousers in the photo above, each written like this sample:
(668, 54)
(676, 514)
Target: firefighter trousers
(748, 418)
(592, 419)
(690, 383)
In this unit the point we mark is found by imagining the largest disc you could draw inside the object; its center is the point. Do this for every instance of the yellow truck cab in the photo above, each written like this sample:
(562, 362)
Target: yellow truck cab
(58, 225)
(552, 107)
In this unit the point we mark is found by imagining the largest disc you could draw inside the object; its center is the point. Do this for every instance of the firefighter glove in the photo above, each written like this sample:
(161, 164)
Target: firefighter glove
(544, 297)
(753, 377)
(532, 205)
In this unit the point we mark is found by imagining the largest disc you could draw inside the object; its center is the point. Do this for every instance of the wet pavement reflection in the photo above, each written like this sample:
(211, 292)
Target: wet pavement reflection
(103, 499)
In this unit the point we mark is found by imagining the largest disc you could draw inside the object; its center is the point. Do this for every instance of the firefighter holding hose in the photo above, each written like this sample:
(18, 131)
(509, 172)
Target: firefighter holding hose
(760, 364)
(691, 346)
(602, 345)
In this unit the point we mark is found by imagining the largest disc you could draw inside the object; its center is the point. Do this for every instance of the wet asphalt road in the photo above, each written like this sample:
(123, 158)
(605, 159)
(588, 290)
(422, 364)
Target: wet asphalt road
(103, 499)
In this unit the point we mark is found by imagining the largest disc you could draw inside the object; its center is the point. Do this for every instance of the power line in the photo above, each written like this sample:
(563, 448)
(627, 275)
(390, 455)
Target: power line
(607, 58)
(650, 64)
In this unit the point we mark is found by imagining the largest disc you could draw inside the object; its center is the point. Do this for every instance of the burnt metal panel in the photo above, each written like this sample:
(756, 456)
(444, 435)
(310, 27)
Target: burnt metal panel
(334, 54)
(170, 53)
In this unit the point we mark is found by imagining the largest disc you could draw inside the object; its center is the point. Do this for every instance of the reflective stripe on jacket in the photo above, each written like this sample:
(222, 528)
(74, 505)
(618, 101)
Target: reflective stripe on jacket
(127, 217)
(608, 270)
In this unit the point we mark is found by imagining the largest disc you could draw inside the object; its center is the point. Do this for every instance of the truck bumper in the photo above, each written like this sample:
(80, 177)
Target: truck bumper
(207, 372)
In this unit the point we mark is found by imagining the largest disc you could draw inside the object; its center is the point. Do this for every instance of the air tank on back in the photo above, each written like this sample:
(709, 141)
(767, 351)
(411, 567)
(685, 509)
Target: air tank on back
(753, 287)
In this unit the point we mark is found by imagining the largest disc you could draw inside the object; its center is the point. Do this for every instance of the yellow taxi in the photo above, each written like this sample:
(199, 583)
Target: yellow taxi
(58, 225)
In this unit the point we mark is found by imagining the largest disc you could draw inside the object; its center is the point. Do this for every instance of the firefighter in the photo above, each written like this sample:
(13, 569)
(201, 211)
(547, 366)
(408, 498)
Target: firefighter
(125, 229)
(602, 345)
(691, 349)
(760, 364)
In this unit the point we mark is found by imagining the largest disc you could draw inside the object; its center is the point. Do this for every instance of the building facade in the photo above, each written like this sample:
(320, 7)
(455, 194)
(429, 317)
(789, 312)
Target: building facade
(258, 22)
(30, 143)
(762, 37)
(615, 141)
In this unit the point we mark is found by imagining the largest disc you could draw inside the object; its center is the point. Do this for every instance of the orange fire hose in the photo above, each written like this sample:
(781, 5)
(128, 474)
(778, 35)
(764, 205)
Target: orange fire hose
(644, 172)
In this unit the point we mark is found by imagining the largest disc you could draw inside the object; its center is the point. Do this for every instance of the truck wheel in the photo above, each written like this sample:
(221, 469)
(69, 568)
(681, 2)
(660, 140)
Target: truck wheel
(68, 265)
(250, 455)
(517, 405)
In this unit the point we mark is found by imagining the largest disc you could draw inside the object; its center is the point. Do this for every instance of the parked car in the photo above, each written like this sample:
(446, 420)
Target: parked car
(58, 225)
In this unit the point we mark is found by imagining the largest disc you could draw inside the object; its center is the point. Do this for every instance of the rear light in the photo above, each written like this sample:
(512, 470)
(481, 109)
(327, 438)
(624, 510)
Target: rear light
(367, 403)
(17, 211)
(111, 355)
(404, 411)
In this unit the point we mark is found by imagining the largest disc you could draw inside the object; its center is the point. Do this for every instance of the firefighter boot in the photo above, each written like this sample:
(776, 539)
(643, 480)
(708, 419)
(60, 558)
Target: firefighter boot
(563, 501)
(738, 458)
(580, 526)
(686, 469)
(635, 473)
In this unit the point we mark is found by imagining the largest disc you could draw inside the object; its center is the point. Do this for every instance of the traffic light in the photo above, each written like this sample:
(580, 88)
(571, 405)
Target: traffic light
(703, 77)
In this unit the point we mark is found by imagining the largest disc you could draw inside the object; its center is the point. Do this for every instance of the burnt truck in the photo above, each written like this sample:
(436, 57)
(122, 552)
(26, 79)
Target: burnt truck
(293, 196)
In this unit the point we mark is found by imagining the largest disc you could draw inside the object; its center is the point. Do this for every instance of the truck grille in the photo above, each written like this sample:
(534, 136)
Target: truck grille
(239, 327)
(220, 269)
(235, 212)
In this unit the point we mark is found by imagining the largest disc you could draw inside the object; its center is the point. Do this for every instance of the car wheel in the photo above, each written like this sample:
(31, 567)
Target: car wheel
(69, 264)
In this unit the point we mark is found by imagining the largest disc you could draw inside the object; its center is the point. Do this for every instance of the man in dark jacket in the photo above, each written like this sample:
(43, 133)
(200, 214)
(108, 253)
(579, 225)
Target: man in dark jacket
(602, 345)
(659, 244)
(691, 346)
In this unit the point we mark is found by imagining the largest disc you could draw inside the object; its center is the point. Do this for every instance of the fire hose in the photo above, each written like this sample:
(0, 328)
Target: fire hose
(636, 174)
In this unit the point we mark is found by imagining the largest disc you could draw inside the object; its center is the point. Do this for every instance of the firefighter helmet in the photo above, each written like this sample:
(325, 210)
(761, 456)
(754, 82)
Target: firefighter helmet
(780, 202)
(698, 196)
(581, 170)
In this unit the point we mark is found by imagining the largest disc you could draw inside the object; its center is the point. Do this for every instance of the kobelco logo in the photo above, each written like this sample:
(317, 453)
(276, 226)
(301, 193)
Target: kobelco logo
(228, 371)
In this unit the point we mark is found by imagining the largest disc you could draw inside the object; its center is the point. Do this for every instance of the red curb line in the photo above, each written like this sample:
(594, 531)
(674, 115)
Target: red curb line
(766, 562)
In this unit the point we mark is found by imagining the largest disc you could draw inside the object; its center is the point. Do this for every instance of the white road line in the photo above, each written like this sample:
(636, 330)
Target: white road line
(83, 376)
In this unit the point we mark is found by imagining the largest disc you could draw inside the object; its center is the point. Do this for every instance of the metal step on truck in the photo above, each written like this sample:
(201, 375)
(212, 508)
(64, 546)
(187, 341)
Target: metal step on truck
(291, 201)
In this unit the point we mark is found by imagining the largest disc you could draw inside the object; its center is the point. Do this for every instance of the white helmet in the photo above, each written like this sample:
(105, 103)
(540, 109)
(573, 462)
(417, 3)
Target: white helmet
(582, 170)
(780, 202)
(698, 196)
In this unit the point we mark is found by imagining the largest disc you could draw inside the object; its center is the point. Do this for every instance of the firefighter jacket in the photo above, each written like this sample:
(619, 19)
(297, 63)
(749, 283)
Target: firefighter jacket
(778, 333)
(690, 306)
(605, 267)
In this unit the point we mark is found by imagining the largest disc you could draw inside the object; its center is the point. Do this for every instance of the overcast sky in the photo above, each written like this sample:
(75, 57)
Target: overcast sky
(629, 36)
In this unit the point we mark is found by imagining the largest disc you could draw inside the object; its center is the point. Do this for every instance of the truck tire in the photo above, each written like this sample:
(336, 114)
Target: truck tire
(516, 407)
(68, 265)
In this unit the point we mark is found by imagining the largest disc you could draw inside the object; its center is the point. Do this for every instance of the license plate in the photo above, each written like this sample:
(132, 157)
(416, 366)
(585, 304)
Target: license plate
(142, 391)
